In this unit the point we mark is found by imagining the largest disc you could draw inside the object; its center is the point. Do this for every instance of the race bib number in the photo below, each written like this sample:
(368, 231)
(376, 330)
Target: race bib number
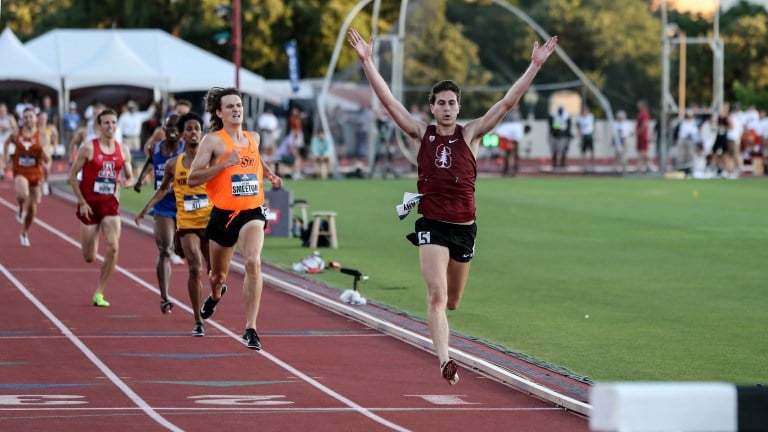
(27, 161)
(424, 237)
(105, 186)
(195, 202)
(244, 185)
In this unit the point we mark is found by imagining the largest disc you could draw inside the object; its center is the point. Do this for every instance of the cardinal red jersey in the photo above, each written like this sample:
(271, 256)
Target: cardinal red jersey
(447, 174)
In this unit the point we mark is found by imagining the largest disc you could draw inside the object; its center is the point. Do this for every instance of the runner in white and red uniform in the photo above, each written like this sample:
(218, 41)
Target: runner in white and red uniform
(105, 166)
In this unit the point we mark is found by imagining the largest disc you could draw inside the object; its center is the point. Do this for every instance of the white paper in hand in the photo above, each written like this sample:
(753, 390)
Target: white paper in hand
(410, 200)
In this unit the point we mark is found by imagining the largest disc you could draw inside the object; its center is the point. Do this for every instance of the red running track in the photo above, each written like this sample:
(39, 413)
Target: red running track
(68, 366)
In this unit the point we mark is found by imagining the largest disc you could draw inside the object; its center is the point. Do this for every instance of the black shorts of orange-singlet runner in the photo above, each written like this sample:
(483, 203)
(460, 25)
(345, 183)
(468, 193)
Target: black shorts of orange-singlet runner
(224, 229)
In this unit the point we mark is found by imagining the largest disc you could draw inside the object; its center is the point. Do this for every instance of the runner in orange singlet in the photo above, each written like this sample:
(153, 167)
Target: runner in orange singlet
(28, 160)
(228, 161)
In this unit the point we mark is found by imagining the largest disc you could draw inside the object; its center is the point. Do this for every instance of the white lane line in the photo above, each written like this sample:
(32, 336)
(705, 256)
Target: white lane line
(297, 410)
(309, 380)
(140, 403)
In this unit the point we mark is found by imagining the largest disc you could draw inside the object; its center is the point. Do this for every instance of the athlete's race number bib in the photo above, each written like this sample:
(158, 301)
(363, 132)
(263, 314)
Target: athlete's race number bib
(27, 161)
(244, 185)
(195, 202)
(105, 186)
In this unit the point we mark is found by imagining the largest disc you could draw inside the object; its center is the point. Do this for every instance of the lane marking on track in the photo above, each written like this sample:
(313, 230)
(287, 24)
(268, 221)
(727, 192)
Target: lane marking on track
(306, 378)
(475, 363)
(119, 383)
(288, 410)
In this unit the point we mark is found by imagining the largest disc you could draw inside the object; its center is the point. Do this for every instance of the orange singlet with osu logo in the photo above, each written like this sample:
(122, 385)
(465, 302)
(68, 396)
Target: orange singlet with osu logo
(238, 187)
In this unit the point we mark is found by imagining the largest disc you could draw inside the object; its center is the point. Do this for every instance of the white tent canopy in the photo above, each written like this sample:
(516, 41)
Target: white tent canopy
(180, 65)
(113, 63)
(18, 64)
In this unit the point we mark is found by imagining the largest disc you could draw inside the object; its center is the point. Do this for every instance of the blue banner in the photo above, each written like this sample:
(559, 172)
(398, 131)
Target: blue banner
(293, 64)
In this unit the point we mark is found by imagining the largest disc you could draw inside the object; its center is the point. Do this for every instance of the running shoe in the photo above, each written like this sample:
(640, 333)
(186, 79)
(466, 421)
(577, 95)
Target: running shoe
(450, 371)
(98, 300)
(24, 239)
(46, 188)
(165, 306)
(199, 330)
(176, 260)
(251, 339)
(209, 305)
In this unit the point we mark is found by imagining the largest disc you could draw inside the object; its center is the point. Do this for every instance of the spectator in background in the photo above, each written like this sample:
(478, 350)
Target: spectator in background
(52, 144)
(8, 127)
(71, 123)
(736, 123)
(289, 153)
(511, 132)
(130, 122)
(386, 147)
(720, 147)
(296, 129)
(762, 127)
(52, 114)
(622, 132)
(585, 127)
(26, 102)
(687, 139)
(643, 135)
(320, 150)
(296, 124)
(269, 129)
(559, 136)
(751, 117)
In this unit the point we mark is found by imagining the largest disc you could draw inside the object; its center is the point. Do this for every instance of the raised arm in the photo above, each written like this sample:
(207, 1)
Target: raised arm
(412, 127)
(490, 119)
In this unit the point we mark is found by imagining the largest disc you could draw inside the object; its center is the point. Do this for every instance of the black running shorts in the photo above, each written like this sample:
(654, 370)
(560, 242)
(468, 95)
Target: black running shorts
(459, 239)
(225, 230)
